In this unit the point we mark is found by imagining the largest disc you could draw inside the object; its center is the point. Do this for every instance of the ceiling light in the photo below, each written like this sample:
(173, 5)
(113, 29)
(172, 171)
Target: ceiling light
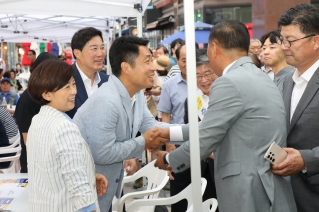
(16, 31)
(36, 38)
(4, 26)
(25, 32)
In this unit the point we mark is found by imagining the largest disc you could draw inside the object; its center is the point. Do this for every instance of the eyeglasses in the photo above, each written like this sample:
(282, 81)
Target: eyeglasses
(287, 43)
(204, 76)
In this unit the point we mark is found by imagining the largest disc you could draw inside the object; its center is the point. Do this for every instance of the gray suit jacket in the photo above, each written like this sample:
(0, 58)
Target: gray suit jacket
(303, 135)
(245, 115)
(105, 121)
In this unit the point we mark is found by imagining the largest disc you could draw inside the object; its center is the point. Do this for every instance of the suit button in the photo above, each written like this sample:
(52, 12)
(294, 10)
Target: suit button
(117, 180)
(178, 168)
(182, 166)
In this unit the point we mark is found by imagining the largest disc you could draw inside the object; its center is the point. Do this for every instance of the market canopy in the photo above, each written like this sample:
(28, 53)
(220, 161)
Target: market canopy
(58, 20)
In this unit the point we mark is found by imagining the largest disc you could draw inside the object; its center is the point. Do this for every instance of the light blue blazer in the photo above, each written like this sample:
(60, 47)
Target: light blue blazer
(107, 125)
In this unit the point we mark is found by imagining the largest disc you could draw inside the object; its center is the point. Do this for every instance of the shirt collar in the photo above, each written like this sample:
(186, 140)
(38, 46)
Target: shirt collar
(306, 76)
(180, 78)
(228, 67)
(133, 99)
(97, 78)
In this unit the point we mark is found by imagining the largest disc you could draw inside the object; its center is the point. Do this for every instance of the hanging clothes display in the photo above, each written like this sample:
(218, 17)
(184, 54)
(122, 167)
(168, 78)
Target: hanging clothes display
(55, 49)
(42, 47)
(34, 46)
(49, 47)
(26, 48)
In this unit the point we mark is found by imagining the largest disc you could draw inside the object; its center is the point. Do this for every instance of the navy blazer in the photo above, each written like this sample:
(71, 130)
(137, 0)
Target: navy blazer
(81, 95)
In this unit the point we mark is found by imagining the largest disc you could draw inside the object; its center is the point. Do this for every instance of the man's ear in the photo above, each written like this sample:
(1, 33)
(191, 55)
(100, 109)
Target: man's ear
(316, 41)
(126, 68)
(47, 96)
(77, 53)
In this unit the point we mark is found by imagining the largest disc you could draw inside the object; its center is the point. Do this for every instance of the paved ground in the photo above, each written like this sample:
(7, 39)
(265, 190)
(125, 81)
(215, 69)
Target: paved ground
(128, 187)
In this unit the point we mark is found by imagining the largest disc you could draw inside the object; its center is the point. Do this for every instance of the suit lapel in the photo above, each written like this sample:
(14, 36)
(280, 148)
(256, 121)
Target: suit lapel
(126, 99)
(287, 92)
(306, 98)
(81, 92)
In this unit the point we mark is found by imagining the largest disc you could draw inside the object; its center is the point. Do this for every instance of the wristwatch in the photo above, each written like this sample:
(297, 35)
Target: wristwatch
(165, 162)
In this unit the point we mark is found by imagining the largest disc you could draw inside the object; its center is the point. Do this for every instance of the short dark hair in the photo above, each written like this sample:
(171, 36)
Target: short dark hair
(304, 15)
(81, 37)
(177, 41)
(201, 57)
(125, 49)
(43, 56)
(32, 51)
(7, 74)
(165, 50)
(49, 76)
(18, 64)
(230, 34)
(12, 70)
(177, 52)
(272, 35)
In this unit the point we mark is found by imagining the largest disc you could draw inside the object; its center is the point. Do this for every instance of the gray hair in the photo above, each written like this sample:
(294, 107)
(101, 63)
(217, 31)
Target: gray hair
(255, 40)
(201, 57)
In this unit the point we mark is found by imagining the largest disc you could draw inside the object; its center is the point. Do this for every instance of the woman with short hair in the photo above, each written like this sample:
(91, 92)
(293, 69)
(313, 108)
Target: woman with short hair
(60, 165)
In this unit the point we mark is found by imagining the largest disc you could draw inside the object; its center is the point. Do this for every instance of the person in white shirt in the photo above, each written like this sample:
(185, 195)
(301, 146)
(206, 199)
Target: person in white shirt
(60, 166)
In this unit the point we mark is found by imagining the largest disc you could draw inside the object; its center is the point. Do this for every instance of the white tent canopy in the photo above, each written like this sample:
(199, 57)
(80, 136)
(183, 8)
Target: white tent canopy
(58, 20)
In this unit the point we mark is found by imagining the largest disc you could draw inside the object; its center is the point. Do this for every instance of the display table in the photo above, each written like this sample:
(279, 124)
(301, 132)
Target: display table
(19, 204)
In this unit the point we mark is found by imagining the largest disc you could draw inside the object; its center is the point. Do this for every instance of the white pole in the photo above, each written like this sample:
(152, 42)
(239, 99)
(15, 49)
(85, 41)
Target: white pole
(192, 104)
(120, 30)
(139, 25)
(109, 72)
(2, 50)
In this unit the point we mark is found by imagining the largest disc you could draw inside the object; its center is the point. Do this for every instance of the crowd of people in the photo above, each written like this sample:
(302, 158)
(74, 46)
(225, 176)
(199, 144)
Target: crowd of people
(80, 128)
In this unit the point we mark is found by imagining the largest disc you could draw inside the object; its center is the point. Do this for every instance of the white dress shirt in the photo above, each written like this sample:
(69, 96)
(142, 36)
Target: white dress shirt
(301, 83)
(89, 87)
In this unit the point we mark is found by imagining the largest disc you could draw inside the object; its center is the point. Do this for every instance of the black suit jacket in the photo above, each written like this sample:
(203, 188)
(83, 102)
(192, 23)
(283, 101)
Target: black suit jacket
(81, 95)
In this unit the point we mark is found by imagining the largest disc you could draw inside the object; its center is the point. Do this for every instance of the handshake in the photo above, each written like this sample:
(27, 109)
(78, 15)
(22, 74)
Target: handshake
(156, 137)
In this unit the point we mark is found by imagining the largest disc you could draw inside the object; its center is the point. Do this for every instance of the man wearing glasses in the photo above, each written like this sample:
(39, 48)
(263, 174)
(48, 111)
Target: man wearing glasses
(300, 44)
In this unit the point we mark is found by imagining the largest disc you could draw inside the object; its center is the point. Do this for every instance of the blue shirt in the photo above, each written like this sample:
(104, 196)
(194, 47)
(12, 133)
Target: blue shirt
(174, 93)
(8, 96)
(172, 60)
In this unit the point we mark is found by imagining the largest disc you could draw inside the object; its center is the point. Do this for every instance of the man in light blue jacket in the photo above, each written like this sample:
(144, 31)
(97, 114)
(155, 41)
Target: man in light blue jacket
(110, 119)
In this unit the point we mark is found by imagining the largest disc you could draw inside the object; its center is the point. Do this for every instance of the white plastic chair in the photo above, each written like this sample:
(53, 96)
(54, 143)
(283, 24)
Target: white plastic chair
(206, 206)
(156, 180)
(185, 194)
(15, 163)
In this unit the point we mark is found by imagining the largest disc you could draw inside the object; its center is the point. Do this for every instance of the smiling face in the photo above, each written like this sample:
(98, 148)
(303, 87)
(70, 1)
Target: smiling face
(142, 74)
(272, 53)
(205, 78)
(302, 53)
(64, 98)
(91, 58)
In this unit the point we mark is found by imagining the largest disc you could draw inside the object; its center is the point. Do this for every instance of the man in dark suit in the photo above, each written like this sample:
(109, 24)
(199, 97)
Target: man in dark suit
(89, 51)
(300, 43)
